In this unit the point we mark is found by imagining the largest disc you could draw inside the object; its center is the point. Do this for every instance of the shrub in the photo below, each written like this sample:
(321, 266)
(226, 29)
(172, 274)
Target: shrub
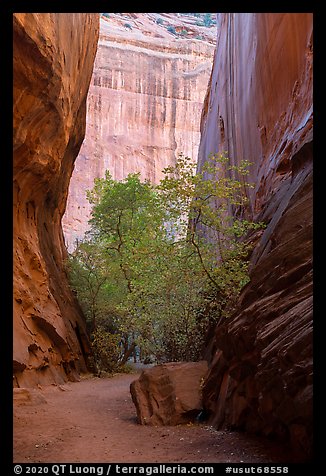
(172, 30)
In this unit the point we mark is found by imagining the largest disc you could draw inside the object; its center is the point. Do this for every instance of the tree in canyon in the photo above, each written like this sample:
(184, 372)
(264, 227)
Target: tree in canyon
(207, 208)
(158, 260)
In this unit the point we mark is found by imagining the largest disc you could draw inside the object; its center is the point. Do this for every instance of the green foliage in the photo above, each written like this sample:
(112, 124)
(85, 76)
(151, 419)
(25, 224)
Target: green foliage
(205, 201)
(159, 21)
(127, 25)
(171, 29)
(162, 264)
(88, 275)
(106, 349)
(207, 20)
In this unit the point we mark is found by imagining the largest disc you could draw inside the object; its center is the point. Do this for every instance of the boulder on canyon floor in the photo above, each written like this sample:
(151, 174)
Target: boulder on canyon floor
(169, 394)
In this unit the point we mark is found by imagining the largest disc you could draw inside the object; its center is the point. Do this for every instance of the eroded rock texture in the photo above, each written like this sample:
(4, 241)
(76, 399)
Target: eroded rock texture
(144, 104)
(259, 107)
(169, 394)
(53, 61)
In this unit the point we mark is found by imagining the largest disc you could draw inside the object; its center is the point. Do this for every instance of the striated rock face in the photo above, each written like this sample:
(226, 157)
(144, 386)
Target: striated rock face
(53, 61)
(169, 394)
(144, 103)
(259, 107)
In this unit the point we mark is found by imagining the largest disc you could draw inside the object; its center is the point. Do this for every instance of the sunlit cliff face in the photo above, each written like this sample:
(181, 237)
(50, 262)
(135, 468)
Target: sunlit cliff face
(144, 104)
(141, 114)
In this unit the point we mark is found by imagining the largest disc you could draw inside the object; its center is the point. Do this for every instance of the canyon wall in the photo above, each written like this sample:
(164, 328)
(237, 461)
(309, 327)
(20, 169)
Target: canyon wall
(259, 107)
(145, 101)
(53, 57)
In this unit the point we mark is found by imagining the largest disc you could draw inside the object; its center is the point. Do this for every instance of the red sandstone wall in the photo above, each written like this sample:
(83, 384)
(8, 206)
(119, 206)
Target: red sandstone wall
(259, 107)
(53, 62)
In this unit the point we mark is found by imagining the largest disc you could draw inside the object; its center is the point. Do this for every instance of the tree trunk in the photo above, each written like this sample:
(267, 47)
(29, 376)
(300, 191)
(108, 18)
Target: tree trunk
(128, 353)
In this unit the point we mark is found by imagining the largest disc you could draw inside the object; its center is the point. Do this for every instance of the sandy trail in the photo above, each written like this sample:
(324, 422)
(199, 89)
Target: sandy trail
(94, 421)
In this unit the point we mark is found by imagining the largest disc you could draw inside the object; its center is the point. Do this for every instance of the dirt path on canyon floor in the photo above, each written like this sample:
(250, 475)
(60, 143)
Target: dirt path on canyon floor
(94, 421)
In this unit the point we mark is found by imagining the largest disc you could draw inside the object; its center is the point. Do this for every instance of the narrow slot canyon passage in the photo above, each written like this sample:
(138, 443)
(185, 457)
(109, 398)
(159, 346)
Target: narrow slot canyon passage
(131, 345)
(93, 421)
